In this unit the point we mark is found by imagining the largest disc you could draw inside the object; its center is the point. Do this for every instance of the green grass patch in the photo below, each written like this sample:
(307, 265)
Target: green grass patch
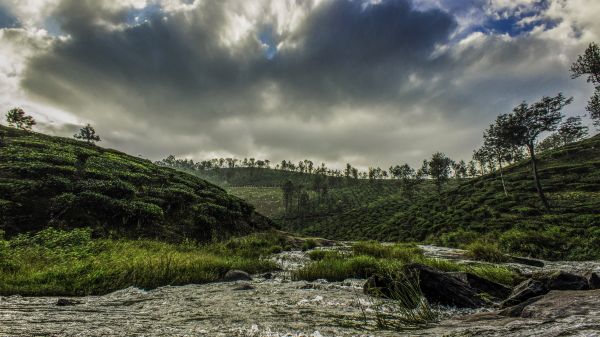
(55, 262)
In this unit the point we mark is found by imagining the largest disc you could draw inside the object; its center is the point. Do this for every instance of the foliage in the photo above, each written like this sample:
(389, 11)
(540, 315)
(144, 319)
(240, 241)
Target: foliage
(17, 118)
(478, 210)
(484, 251)
(88, 134)
(588, 65)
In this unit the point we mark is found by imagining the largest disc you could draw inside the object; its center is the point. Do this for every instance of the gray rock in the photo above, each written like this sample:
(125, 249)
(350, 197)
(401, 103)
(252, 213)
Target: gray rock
(484, 286)
(524, 291)
(436, 287)
(236, 275)
(562, 280)
(443, 288)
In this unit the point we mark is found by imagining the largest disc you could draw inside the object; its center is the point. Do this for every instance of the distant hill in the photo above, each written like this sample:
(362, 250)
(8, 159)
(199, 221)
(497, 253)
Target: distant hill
(255, 176)
(52, 181)
(477, 209)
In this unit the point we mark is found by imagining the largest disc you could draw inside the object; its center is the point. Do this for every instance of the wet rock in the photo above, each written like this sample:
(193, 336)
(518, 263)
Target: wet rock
(524, 291)
(244, 286)
(517, 310)
(527, 261)
(593, 280)
(443, 288)
(267, 276)
(484, 286)
(63, 302)
(236, 275)
(562, 280)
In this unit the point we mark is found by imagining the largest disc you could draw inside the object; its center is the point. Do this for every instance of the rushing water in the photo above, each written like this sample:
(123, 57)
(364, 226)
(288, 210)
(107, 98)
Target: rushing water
(274, 306)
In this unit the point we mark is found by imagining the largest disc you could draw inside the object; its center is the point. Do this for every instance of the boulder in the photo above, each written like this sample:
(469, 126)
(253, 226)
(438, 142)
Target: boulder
(236, 275)
(524, 291)
(484, 286)
(561, 280)
(593, 280)
(443, 288)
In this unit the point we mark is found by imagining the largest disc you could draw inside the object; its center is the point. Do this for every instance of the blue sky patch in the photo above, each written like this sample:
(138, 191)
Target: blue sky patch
(267, 37)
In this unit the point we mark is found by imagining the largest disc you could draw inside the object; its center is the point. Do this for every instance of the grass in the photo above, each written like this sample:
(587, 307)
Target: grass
(405, 307)
(55, 262)
(488, 252)
(384, 259)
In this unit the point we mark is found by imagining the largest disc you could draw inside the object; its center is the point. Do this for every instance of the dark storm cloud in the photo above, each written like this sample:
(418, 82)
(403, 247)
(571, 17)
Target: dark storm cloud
(349, 50)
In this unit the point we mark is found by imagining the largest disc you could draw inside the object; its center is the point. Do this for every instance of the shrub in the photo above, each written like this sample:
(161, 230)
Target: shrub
(486, 252)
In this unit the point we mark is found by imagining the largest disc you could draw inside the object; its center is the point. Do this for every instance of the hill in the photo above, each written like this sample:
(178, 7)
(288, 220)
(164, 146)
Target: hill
(478, 210)
(258, 176)
(52, 181)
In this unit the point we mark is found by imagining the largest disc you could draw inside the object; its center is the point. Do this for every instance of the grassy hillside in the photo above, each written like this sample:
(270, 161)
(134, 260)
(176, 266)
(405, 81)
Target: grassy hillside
(478, 210)
(51, 181)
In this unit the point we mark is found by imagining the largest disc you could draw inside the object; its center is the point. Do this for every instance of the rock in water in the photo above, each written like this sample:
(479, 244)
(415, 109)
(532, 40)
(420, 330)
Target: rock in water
(562, 280)
(593, 281)
(63, 302)
(443, 288)
(236, 275)
(243, 286)
(484, 286)
(524, 291)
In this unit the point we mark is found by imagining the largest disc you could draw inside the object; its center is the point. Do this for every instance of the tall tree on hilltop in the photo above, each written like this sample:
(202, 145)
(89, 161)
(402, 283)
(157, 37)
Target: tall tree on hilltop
(524, 125)
(589, 64)
(87, 134)
(439, 168)
(17, 118)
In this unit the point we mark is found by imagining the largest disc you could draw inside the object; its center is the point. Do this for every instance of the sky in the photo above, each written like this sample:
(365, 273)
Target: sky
(369, 82)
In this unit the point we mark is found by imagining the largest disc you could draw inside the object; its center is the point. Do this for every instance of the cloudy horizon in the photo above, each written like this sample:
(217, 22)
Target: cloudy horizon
(364, 81)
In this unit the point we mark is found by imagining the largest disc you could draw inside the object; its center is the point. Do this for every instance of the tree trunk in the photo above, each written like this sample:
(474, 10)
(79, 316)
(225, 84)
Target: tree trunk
(536, 179)
(502, 178)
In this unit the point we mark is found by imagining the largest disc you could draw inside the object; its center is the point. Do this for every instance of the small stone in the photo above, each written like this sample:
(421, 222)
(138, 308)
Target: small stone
(244, 286)
(524, 291)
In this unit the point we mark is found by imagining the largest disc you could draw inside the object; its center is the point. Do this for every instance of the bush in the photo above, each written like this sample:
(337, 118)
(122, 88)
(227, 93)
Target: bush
(486, 252)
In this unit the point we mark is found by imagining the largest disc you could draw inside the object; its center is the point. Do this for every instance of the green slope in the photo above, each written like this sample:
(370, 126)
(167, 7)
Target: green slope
(51, 181)
(479, 210)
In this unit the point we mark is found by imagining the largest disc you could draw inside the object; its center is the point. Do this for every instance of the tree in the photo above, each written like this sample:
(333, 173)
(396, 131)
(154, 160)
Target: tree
(524, 125)
(460, 169)
(87, 133)
(288, 193)
(569, 131)
(495, 146)
(17, 118)
(572, 130)
(407, 176)
(472, 169)
(589, 64)
(439, 168)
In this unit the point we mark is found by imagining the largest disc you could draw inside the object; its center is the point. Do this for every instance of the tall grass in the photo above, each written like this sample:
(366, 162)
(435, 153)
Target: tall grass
(405, 306)
(371, 258)
(54, 262)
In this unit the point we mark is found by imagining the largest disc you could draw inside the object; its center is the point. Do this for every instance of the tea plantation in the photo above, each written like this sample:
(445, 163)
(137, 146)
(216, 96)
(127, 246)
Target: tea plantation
(59, 182)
